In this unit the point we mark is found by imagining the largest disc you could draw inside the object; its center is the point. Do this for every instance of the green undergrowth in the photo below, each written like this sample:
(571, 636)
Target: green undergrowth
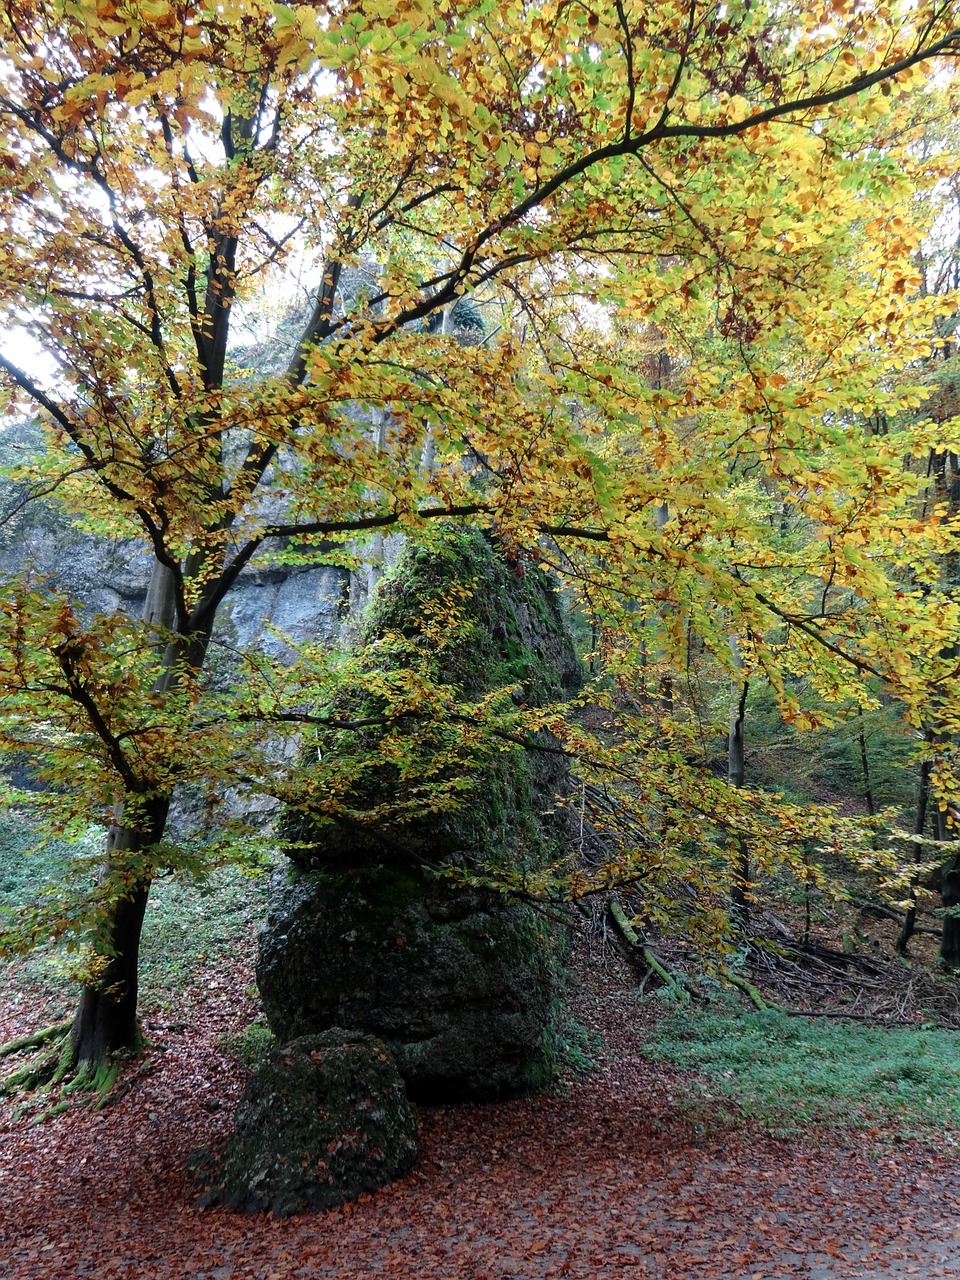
(795, 1076)
(191, 928)
(578, 1049)
(249, 1045)
(24, 869)
(41, 978)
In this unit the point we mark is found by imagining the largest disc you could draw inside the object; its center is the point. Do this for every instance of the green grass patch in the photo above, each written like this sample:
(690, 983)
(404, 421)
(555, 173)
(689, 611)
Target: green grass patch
(250, 1045)
(795, 1075)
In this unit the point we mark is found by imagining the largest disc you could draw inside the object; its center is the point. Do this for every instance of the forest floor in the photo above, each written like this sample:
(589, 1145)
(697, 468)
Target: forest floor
(616, 1178)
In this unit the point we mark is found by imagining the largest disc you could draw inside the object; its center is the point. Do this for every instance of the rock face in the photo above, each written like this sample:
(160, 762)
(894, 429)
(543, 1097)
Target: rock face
(461, 983)
(109, 575)
(322, 1120)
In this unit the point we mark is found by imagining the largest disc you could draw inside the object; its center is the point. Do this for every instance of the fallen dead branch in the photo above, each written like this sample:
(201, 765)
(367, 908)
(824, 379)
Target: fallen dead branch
(676, 983)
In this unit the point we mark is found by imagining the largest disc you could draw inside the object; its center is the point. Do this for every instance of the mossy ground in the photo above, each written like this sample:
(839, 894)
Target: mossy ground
(792, 1076)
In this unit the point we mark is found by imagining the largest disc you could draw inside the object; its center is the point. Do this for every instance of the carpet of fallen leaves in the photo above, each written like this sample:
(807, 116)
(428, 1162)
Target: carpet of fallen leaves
(607, 1181)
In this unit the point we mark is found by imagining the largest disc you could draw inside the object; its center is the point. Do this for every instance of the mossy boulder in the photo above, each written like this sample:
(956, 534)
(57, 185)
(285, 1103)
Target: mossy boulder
(510, 635)
(461, 985)
(366, 930)
(322, 1120)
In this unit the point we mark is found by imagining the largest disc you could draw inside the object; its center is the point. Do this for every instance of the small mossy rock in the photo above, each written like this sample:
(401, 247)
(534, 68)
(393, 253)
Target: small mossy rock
(322, 1120)
(461, 984)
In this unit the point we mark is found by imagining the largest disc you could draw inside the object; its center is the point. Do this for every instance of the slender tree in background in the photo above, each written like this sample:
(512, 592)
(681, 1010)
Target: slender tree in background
(732, 177)
(936, 581)
(737, 774)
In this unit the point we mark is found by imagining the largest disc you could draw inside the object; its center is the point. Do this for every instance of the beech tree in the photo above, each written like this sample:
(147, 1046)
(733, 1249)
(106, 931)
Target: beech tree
(721, 188)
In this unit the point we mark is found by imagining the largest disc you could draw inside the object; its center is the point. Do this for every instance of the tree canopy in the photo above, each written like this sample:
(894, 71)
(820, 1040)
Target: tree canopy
(692, 234)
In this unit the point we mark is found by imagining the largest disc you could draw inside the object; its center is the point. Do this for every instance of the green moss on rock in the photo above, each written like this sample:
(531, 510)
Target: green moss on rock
(322, 1120)
(511, 635)
(461, 983)
(516, 635)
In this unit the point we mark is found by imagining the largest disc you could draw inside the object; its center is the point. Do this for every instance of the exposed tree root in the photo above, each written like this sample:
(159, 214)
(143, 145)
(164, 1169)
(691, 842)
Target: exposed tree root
(35, 1040)
(54, 1072)
(33, 1074)
(96, 1078)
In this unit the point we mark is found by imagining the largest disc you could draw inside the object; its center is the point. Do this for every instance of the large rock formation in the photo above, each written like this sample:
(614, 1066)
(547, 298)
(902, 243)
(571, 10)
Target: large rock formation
(461, 983)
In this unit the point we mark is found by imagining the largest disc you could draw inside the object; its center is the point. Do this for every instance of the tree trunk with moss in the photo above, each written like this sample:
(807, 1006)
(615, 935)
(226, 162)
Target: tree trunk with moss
(105, 1021)
(106, 1018)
